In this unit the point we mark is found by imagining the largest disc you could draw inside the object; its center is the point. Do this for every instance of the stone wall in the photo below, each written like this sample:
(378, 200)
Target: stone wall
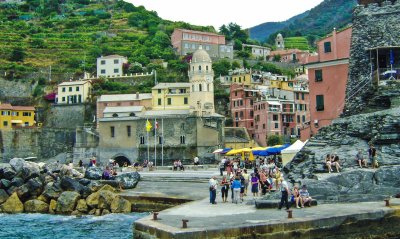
(42, 143)
(16, 93)
(66, 116)
(373, 26)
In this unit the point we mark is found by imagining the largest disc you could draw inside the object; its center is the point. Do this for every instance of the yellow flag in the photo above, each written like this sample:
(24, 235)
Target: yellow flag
(148, 126)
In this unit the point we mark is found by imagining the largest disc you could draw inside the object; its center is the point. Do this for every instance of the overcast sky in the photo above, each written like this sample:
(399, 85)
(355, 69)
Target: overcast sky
(246, 13)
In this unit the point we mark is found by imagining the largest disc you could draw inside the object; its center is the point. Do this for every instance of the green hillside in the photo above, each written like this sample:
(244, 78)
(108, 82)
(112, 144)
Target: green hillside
(296, 43)
(69, 35)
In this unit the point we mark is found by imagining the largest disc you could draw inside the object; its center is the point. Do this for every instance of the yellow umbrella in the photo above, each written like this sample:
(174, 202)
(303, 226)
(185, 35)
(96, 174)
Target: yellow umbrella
(251, 157)
(233, 152)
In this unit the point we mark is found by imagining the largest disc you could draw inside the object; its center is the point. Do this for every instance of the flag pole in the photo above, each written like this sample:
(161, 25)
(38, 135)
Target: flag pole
(155, 142)
(162, 142)
(148, 145)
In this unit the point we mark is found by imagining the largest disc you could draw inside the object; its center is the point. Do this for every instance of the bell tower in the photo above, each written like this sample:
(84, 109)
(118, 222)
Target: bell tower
(201, 77)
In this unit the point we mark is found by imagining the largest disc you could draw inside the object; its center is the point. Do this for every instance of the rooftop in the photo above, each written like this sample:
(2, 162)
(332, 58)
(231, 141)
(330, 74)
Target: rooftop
(67, 83)
(20, 108)
(122, 109)
(123, 97)
(198, 32)
(172, 85)
(111, 57)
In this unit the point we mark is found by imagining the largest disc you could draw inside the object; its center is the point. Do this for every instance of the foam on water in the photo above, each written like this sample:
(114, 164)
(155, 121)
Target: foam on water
(58, 226)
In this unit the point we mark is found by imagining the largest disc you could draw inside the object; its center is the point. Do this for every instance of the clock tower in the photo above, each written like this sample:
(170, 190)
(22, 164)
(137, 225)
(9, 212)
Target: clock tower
(201, 78)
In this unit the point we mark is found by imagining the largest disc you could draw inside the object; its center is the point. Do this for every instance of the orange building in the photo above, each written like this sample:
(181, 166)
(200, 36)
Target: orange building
(327, 79)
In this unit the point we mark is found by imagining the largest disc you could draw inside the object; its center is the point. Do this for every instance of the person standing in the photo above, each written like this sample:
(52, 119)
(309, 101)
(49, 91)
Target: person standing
(285, 194)
(224, 189)
(236, 189)
(213, 189)
(254, 185)
(372, 155)
(246, 181)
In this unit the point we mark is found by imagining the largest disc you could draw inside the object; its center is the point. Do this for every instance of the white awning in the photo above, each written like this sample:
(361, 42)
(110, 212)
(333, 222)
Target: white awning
(16, 122)
(274, 103)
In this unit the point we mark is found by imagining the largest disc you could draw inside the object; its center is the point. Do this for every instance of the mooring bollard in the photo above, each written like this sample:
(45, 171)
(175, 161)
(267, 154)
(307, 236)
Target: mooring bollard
(290, 215)
(184, 223)
(387, 204)
(155, 214)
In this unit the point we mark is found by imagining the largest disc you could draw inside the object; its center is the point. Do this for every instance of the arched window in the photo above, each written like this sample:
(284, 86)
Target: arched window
(199, 68)
(115, 115)
(132, 114)
(200, 87)
(206, 68)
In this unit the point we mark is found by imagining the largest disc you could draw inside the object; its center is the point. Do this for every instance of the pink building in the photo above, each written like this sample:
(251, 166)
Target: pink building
(290, 55)
(302, 106)
(187, 41)
(122, 100)
(241, 106)
(327, 79)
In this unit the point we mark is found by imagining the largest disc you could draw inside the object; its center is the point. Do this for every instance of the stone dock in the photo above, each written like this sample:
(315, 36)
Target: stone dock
(243, 220)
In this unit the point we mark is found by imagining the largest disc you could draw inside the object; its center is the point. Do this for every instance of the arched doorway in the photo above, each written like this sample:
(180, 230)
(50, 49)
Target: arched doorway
(121, 160)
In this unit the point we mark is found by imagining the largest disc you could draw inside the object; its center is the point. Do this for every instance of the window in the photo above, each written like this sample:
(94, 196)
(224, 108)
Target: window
(304, 118)
(298, 119)
(305, 107)
(207, 47)
(302, 96)
(63, 99)
(275, 117)
(5, 123)
(186, 46)
(297, 95)
(26, 114)
(236, 114)
(112, 129)
(241, 114)
(103, 71)
(251, 114)
(128, 130)
(141, 139)
(103, 62)
(182, 139)
(327, 47)
(251, 102)
(235, 93)
(200, 87)
(115, 115)
(199, 68)
(63, 89)
(15, 113)
(116, 70)
(77, 88)
(263, 126)
(320, 102)
(159, 91)
(318, 75)
(185, 101)
(70, 89)
(116, 61)
(206, 68)
(251, 124)
(132, 114)
(276, 125)
(169, 100)
(159, 101)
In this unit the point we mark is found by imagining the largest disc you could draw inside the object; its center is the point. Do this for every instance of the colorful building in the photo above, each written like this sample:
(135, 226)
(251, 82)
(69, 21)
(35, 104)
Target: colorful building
(242, 78)
(171, 96)
(328, 78)
(241, 106)
(290, 56)
(16, 116)
(74, 92)
(187, 41)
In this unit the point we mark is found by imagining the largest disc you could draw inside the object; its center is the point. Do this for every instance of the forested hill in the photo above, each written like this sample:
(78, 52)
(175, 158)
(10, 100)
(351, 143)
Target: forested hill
(312, 24)
(69, 35)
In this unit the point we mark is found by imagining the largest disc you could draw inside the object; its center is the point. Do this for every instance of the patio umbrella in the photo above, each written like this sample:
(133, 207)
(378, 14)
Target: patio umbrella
(217, 151)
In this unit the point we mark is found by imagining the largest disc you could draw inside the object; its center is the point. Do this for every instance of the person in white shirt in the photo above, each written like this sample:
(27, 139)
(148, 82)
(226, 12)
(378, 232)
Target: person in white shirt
(213, 189)
(196, 161)
(285, 194)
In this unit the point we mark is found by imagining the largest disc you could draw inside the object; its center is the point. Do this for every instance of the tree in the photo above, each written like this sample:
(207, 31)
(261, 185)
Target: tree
(17, 54)
(274, 140)
(221, 67)
(236, 65)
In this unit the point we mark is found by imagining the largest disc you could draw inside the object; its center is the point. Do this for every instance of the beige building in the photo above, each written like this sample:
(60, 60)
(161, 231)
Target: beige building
(74, 92)
(171, 96)
(111, 66)
(201, 78)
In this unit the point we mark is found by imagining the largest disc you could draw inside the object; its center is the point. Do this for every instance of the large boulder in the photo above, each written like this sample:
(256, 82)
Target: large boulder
(12, 205)
(30, 170)
(3, 196)
(7, 172)
(17, 182)
(36, 206)
(84, 181)
(388, 176)
(128, 180)
(52, 206)
(105, 199)
(4, 183)
(82, 206)
(52, 191)
(93, 173)
(17, 164)
(120, 205)
(67, 201)
(32, 188)
(70, 184)
(52, 167)
(93, 199)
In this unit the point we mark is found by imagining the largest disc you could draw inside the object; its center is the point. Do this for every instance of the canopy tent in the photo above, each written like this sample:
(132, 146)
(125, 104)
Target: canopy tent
(222, 151)
(271, 150)
(238, 151)
(289, 153)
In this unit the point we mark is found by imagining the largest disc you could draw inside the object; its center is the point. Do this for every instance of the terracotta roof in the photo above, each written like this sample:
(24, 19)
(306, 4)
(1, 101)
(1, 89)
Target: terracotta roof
(288, 51)
(6, 107)
(24, 108)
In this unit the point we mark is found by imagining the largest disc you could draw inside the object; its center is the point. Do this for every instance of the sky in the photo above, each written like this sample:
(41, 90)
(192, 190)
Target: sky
(246, 13)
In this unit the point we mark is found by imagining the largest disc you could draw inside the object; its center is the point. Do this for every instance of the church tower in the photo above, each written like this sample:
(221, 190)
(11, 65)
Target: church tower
(201, 77)
(279, 42)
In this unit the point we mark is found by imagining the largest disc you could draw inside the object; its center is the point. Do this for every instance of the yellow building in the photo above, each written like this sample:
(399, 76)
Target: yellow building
(281, 82)
(74, 92)
(16, 116)
(244, 79)
(171, 96)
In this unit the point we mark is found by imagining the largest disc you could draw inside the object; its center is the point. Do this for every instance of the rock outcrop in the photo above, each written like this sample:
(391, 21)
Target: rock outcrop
(12, 205)
(36, 206)
(128, 180)
(67, 201)
(120, 205)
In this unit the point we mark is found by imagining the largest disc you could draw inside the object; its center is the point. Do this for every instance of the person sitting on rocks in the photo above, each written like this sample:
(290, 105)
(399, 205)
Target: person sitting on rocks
(360, 159)
(305, 198)
(175, 167)
(106, 174)
(336, 162)
(296, 196)
(180, 166)
(328, 163)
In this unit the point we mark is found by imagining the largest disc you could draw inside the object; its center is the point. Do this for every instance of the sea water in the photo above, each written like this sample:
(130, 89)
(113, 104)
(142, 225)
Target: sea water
(45, 226)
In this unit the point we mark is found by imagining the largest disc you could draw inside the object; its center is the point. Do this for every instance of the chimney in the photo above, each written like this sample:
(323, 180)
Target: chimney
(137, 95)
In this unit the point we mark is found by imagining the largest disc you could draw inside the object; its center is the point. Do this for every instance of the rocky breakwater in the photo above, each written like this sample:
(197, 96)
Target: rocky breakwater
(58, 189)
(345, 137)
